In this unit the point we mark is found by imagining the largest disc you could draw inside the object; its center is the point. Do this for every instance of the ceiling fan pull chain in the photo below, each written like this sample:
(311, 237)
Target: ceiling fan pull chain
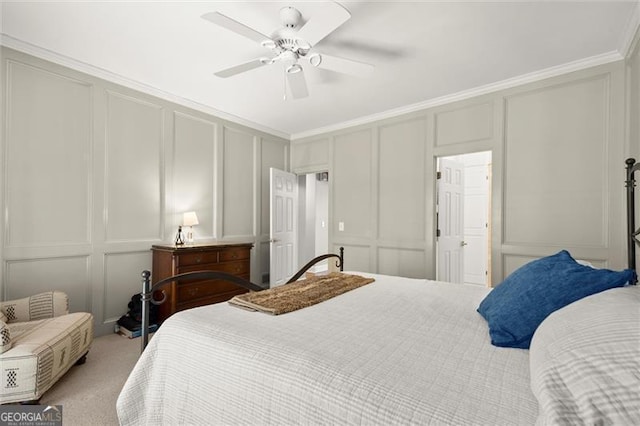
(284, 85)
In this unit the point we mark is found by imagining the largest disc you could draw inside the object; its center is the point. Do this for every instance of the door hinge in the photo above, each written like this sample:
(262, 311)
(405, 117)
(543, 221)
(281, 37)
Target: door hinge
(438, 175)
(437, 232)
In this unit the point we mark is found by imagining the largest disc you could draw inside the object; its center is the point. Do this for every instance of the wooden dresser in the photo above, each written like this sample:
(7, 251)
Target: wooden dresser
(170, 260)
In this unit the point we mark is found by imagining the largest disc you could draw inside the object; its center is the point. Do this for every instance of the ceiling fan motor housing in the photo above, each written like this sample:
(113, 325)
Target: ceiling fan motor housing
(290, 17)
(286, 38)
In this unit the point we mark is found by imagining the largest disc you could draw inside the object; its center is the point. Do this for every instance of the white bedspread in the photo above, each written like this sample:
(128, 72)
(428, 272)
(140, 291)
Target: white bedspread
(397, 351)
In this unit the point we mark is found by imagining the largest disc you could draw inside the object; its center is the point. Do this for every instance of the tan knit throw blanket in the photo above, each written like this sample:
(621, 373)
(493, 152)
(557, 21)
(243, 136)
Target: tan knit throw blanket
(299, 294)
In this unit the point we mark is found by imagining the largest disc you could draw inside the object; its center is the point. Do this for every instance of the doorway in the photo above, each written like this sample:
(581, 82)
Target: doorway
(313, 217)
(463, 208)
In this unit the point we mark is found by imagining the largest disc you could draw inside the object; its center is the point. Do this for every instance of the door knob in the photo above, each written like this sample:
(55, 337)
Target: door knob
(273, 240)
(462, 244)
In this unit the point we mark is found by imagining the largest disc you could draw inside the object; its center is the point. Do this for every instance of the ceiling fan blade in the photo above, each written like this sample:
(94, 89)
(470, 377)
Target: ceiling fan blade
(345, 66)
(298, 85)
(235, 26)
(323, 23)
(247, 66)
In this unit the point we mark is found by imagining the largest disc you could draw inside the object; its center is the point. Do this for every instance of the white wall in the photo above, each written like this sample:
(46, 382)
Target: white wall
(95, 173)
(558, 149)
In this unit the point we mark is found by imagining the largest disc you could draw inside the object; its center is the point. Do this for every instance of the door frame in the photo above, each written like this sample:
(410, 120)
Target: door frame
(493, 206)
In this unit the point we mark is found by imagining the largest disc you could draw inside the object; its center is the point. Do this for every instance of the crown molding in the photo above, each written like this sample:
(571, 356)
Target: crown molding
(63, 60)
(48, 55)
(629, 36)
(466, 94)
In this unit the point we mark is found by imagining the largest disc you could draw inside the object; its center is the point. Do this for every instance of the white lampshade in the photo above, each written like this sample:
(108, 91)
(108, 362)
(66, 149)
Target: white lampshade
(190, 219)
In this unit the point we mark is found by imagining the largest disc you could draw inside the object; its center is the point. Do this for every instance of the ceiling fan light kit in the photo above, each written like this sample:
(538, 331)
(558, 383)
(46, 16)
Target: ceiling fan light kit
(294, 68)
(315, 59)
(294, 40)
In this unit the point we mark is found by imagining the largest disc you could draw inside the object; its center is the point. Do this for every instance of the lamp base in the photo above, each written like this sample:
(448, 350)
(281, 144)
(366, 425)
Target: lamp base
(179, 237)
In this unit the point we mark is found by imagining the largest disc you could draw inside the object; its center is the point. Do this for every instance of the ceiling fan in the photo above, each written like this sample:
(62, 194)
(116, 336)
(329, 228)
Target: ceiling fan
(292, 42)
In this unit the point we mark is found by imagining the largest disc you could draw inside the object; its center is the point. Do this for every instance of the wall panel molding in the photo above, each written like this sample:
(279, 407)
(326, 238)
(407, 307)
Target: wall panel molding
(401, 261)
(239, 214)
(310, 156)
(134, 168)
(478, 124)
(353, 184)
(121, 280)
(132, 179)
(193, 170)
(69, 274)
(542, 185)
(402, 143)
(47, 185)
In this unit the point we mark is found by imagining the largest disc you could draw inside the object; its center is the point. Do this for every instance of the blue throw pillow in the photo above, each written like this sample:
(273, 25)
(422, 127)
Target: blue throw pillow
(516, 307)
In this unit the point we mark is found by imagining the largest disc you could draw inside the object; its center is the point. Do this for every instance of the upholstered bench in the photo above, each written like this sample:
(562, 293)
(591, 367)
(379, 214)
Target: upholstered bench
(39, 341)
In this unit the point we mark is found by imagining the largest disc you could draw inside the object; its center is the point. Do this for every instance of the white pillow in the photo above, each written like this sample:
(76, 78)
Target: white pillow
(585, 263)
(5, 337)
(585, 361)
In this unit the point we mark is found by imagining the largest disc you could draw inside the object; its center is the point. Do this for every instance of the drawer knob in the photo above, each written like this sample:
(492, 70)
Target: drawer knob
(198, 259)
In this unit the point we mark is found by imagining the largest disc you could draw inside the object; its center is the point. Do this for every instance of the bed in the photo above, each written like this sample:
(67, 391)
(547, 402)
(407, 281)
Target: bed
(404, 351)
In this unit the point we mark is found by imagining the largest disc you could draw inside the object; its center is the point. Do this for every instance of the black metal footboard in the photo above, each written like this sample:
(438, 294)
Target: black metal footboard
(148, 289)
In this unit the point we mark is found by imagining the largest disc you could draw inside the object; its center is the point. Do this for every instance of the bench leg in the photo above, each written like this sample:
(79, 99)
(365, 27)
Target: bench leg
(82, 359)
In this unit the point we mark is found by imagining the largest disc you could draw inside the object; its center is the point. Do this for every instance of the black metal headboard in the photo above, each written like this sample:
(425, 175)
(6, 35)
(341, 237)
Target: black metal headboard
(632, 232)
(148, 289)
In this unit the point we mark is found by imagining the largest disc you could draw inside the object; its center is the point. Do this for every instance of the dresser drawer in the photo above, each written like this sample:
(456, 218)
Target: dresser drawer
(240, 267)
(201, 267)
(234, 254)
(201, 289)
(214, 298)
(198, 258)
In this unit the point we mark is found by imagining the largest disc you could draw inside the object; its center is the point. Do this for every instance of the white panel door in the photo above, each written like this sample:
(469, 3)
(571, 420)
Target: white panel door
(476, 222)
(450, 221)
(283, 226)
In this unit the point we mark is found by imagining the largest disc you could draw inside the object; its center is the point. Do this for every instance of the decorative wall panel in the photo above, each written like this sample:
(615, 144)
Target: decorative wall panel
(511, 262)
(401, 196)
(356, 258)
(68, 274)
(122, 280)
(556, 165)
(194, 171)
(477, 119)
(48, 158)
(310, 155)
(352, 184)
(134, 130)
(237, 201)
(401, 262)
(273, 155)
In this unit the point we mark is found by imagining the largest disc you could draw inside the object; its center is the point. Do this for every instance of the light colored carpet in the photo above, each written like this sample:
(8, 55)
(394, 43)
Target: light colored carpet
(88, 392)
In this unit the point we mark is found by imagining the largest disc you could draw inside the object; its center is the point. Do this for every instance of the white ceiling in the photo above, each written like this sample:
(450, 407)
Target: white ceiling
(425, 53)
